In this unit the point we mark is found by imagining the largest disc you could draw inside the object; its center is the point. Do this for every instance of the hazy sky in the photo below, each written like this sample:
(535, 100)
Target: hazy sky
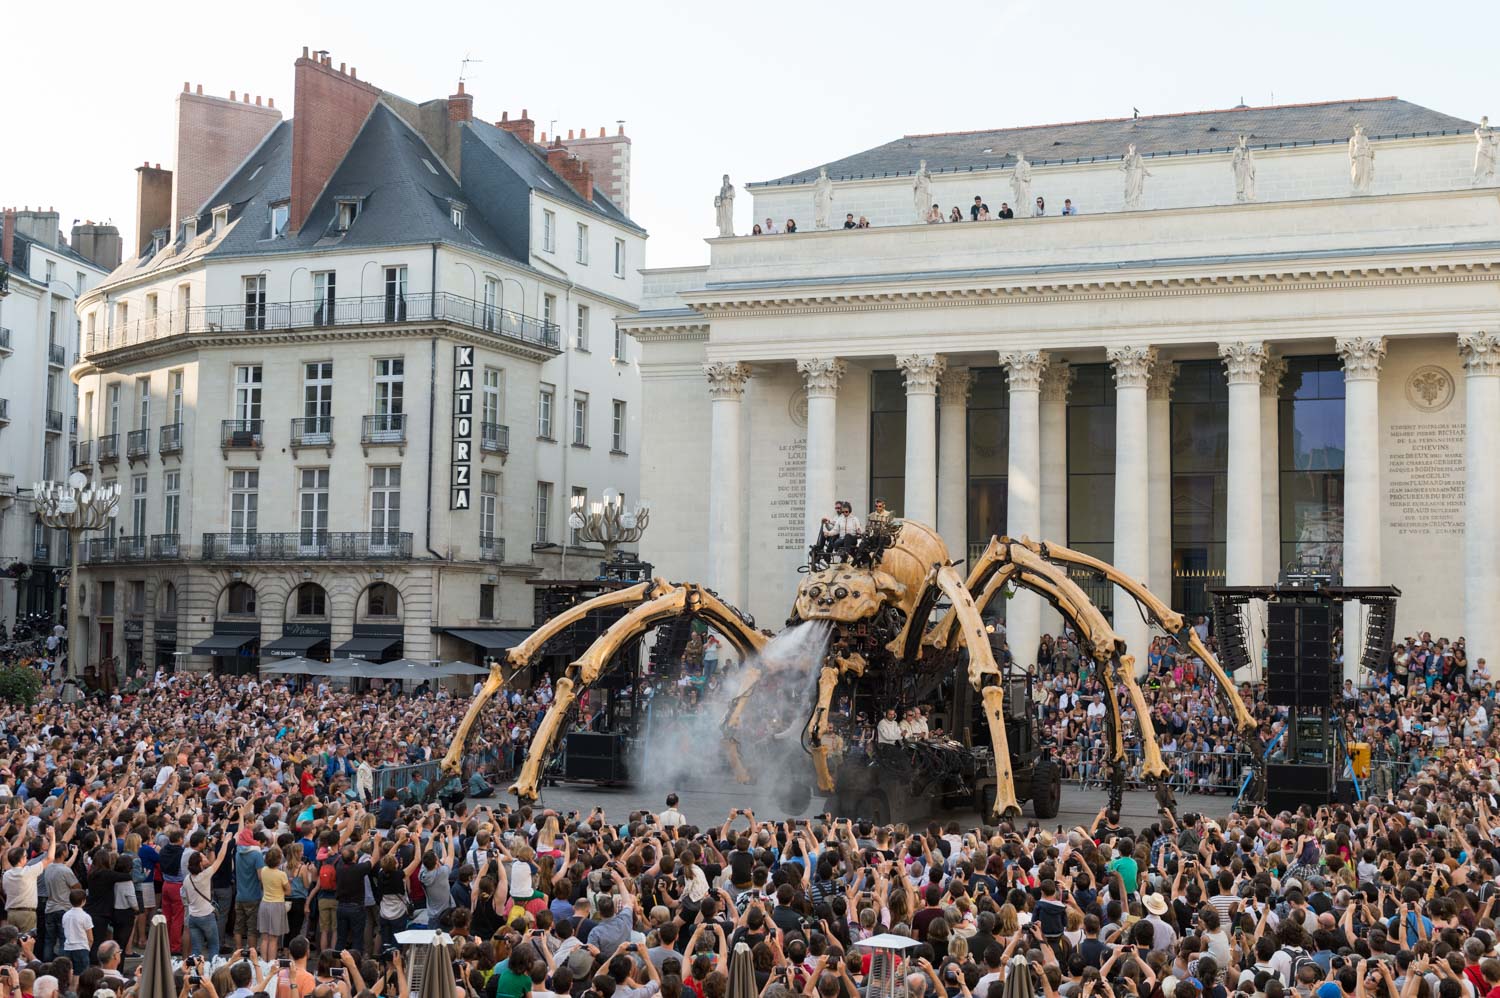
(757, 90)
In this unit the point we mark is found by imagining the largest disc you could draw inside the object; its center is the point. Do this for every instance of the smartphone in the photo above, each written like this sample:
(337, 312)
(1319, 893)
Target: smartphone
(283, 963)
(195, 980)
(337, 972)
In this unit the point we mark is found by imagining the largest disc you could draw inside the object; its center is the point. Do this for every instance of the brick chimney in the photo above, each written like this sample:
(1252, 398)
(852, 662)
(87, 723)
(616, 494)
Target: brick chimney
(608, 157)
(8, 237)
(572, 169)
(214, 135)
(460, 105)
(329, 108)
(522, 128)
(101, 242)
(153, 203)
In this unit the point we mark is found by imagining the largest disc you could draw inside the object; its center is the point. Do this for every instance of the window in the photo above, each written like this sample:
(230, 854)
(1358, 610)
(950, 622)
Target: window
(247, 385)
(50, 271)
(385, 506)
(52, 318)
(347, 212)
(244, 506)
(491, 302)
(549, 231)
(579, 500)
(325, 295)
(174, 387)
(617, 427)
(1199, 481)
(88, 414)
(172, 504)
(221, 219)
(581, 331)
(549, 309)
(241, 602)
(317, 401)
(492, 389)
(166, 602)
(280, 213)
(255, 301)
(583, 243)
(184, 297)
(395, 294)
(457, 214)
(312, 600)
(138, 507)
(486, 601)
(143, 403)
(1311, 443)
(312, 508)
(619, 258)
(489, 498)
(106, 594)
(80, 282)
(93, 326)
(152, 305)
(580, 419)
(543, 512)
(122, 316)
(544, 399)
(137, 597)
(1091, 470)
(112, 408)
(619, 344)
(382, 600)
(390, 388)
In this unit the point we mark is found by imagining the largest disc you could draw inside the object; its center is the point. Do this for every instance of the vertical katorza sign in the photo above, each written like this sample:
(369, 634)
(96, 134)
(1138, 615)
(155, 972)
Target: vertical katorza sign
(463, 427)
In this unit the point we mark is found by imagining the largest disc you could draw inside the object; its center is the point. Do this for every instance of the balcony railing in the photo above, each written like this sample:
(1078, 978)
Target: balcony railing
(83, 453)
(312, 431)
(170, 441)
(370, 310)
(166, 546)
(57, 356)
(109, 448)
(491, 547)
(241, 434)
(54, 421)
(306, 545)
(137, 445)
(72, 426)
(5, 339)
(386, 428)
(494, 437)
(40, 552)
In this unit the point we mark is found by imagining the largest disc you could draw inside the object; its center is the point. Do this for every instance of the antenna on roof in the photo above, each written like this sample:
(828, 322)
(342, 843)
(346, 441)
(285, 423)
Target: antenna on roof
(1135, 112)
(463, 69)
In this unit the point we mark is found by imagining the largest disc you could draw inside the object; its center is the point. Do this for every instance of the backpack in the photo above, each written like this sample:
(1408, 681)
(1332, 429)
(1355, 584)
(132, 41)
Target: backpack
(1300, 958)
(328, 875)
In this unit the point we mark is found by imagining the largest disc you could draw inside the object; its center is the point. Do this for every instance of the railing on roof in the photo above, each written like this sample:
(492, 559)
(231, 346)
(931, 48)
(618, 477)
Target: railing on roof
(369, 310)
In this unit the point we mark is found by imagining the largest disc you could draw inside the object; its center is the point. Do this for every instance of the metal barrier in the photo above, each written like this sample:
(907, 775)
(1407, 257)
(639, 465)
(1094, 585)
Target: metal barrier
(1204, 772)
(430, 771)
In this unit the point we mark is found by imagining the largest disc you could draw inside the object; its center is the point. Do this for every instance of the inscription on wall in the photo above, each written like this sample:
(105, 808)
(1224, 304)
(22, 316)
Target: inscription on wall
(1425, 479)
(791, 496)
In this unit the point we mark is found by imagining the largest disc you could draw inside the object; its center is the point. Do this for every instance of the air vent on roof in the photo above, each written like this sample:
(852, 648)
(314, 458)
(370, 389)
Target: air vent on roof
(428, 163)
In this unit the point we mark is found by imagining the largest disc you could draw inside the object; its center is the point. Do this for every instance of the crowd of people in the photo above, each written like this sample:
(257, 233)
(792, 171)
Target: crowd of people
(979, 211)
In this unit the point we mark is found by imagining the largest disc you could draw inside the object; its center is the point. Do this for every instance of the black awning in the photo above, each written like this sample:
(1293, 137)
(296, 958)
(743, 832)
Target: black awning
(490, 639)
(370, 648)
(292, 645)
(224, 644)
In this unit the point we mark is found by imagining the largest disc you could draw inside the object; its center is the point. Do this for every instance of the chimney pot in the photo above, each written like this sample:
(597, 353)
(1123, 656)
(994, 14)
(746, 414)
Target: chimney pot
(544, 138)
(460, 86)
(158, 166)
(247, 97)
(186, 86)
(257, 100)
(270, 102)
(231, 95)
(353, 73)
(525, 113)
(601, 131)
(341, 67)
(504, 115)
(570, 135)
(200, 90)
(304, 52)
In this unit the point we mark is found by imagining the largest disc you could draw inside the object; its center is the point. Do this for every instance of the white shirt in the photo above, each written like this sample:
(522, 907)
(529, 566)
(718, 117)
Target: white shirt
(845, 524)
(76, 924)
(887, 732)
(673, 818)
(770, 229)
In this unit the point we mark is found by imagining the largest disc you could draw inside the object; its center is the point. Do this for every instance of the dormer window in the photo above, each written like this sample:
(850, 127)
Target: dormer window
(348, 211)
(221, 220)
(280, 212)
(158, 240)
(457, 213)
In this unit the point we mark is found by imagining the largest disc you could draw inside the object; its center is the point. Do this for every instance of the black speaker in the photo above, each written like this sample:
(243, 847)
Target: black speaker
(1289, 786)
(593, 757)
(1229, 629)
(1299, 655)
(1380, 632)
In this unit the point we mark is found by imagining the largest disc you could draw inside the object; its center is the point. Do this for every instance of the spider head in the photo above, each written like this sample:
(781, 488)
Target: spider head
(845, 594)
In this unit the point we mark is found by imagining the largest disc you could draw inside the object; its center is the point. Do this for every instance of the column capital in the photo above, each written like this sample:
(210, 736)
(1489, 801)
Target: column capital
(1480, 353)
(1160, 378)
(726, 379)
(822, 375)
(1132, 365)
(1271, 376)
(922, 371)
(1057, 381)
(1024, 369)
(1362, 356)
(954, 385)
(1244, 361)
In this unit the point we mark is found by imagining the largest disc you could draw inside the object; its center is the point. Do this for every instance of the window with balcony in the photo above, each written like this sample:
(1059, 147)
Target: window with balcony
(395, 294)
(619, 258)
(315, 428)
(244, 507)
(617, 427)
(543, 512)
(583, 243)
(545, 398)
(112, 409)
(549, 309)
(143, 403)
(325, 296)
(489, 502)
(138, 507)
(385, 506)
(549, 231)
(172, 503)
(388, 423)
(174, 387)
(581, 331)
(491, 311)
(247, 389)
(312, 509)
(255, 301)
(580, 419)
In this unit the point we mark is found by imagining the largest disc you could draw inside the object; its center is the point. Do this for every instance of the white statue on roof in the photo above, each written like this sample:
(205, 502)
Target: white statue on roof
(822, 199)
(921, 192)
(1485, 142)
(724, 208)
(1243, 163)
(1020, 187)
(1135, 177)
(1361, 160)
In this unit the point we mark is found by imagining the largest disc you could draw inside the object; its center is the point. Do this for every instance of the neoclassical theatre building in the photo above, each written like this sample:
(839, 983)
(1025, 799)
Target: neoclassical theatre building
(1265, 336)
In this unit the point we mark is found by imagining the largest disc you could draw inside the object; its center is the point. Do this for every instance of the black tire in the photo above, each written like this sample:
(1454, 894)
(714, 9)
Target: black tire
(985, 801)
(1046, 788)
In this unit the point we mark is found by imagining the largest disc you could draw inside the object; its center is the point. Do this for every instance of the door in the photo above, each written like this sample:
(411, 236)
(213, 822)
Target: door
(317, 402)
(244, 510)
(385, 509)
(395, 294)
(312, 512)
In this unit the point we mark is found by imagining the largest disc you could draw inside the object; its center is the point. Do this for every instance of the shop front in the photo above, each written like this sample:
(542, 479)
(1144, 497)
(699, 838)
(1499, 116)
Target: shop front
(135, 635)
(372, 643)
(166, 645)
(301, 639)
(234, 647)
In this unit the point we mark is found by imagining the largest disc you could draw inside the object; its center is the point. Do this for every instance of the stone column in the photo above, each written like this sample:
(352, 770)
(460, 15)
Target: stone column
(1159, 467)
(1023, 486)
(922, 372)
(1362, 499)
(1244, 554)
(1481, 355)
(1132, 481)
(1057, 381)
(726, 485)
(1271, 375)
(953, 462)
(822, 377)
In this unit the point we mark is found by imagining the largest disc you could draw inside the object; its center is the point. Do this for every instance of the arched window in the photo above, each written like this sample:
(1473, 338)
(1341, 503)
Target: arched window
(166, 602)
(382, 600)
(312, 600)
(241, 600)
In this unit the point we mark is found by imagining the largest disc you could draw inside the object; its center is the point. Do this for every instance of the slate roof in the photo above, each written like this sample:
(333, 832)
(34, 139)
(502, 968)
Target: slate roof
(1154, 135)
(530, 162)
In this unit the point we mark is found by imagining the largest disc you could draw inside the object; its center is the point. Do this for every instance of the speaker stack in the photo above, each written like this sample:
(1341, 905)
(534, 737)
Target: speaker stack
(1229, 629)
(1290, 786)
(1299, 655)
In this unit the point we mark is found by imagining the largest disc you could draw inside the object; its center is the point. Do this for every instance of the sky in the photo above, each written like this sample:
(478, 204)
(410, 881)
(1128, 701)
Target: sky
(756, 91)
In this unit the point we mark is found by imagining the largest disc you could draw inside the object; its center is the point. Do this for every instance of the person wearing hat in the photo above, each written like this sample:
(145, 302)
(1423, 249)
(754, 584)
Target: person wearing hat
(1163, 935)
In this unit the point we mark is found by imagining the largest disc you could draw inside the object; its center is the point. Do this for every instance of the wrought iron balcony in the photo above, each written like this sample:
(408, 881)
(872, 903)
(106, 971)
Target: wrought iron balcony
(241, 434)
(386, 428)
(491, 547)
(494, 437)
(138, 445)
(57, 355)
(307, 545)
(109, 449)
(318, 313)
(5, 339)
(166, 546)
(72, 426)
(170, 441)
(83, 453)
(312, 431)
(54, 421)
(125, 547)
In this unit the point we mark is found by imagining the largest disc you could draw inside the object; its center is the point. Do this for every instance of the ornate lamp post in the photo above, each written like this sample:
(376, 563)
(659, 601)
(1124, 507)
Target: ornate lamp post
(609, 523)
(75, 507)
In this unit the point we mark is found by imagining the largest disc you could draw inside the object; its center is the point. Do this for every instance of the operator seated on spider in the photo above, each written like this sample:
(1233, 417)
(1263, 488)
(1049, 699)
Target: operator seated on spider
(838, 535)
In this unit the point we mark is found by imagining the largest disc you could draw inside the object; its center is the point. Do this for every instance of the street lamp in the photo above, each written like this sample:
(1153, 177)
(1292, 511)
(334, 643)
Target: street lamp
(75, 507)
(609, 523)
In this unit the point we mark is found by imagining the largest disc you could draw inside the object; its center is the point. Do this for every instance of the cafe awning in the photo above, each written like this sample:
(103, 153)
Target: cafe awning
(290, 645)
(296, 666)
(402, 668)
(224, 644)
(368, 647)
(490, 640)
(460, 669)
